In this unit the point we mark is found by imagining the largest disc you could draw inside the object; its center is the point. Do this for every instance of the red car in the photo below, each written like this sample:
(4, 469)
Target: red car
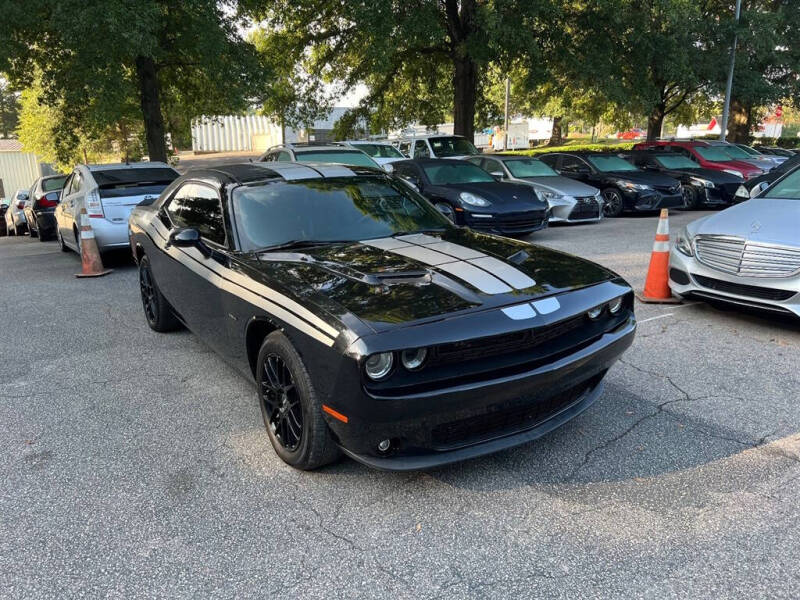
(707, 156)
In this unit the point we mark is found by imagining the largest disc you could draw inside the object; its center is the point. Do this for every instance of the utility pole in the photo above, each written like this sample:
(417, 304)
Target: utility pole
(505, 126)
(726, 107)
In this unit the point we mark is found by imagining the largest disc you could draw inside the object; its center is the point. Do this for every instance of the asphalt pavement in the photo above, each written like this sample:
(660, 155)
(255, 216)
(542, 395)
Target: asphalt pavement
(135, 464)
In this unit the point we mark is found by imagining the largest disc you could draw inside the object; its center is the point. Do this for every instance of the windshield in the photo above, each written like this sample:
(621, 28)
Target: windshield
(788, 187)
(750, 151)
(53, 183)
(611, 163)
(734, 151)
(713, 154)
(343, 157)
(379, 150)
(452, 146)
(676, 162)
(446, 173)
(330, 210)
(529, 167)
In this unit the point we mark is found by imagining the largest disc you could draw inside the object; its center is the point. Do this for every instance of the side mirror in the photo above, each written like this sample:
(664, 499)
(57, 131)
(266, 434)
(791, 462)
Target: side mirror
(411, 182)
(187, 238)
(758, 189)
(497, 175)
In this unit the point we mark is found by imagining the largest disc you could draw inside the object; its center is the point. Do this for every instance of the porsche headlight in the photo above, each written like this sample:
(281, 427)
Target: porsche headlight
(683, 243)
(473, 200)
(703, 182)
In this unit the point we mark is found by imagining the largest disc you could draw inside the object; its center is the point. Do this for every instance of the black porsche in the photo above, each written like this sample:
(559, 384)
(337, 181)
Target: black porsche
(468, 195)
(700, 186)
(369, 323)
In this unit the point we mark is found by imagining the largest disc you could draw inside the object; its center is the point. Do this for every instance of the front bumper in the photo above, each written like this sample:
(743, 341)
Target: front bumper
(464, 421)
(649, 200)
(511, 223)
(586, 209)
(690, 277)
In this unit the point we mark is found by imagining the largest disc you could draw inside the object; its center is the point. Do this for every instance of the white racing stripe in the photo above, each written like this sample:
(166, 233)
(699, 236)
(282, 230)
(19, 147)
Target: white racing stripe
(513, 277)
(425, 255)
(519, 312)
(455, 250)
(546, 306)
(477, 278)
(385, 243)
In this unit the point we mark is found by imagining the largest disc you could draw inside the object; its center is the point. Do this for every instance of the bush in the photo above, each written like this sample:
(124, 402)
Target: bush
(619, 147)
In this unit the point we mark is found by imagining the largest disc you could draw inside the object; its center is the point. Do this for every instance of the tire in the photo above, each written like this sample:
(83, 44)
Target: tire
(690, 200)
(32, 233)
(157, 310)
(446, 210)
(290, 408)
(613, 204)
(60, 239)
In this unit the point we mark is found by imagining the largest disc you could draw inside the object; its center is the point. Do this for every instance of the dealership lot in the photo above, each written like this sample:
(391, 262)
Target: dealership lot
(136, 463)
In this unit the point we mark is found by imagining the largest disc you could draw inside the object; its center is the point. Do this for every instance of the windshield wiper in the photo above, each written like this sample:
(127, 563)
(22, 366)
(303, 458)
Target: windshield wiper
(300, 244)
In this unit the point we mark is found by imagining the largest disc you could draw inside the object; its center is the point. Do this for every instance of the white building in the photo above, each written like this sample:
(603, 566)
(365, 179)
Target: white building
(18, 169)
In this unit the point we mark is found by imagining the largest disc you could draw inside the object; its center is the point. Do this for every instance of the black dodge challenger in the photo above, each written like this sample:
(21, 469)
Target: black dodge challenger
(370, 324)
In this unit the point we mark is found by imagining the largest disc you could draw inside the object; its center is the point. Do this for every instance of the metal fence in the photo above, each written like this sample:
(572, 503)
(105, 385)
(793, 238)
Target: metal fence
(230, 133)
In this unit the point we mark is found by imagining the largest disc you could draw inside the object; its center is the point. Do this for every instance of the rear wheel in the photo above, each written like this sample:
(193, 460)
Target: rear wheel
(290, 408)
(60, 239)
(157, 310)
(612, 202)
(33, 232)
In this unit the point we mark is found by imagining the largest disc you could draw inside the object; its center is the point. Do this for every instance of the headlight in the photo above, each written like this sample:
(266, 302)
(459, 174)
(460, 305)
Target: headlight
(734, 172)
(473, 200)
(412, 359)
(703, 182)
(379, 365)
(741, 192)
(683, 243)
(634, 186)
(615, 305)
(594, 313)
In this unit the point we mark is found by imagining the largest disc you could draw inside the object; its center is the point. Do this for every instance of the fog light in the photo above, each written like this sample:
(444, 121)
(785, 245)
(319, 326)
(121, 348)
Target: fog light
(384, 445)
(379, 365)
(615, 305)
(595, 312)
(413, 358)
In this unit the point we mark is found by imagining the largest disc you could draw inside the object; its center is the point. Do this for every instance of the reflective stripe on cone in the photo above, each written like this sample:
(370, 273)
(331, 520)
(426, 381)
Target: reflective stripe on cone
(91, 264)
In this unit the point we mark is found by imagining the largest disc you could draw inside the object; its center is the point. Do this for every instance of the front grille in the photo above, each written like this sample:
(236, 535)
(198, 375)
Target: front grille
(506, 422)
(751, 291)
(502, 344)
(509, 223)
(737, 256)
(586, 208)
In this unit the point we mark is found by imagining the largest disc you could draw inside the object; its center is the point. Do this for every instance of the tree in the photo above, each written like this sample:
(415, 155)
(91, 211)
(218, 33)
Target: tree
(420, 59)
(97, 58)
(9, 109)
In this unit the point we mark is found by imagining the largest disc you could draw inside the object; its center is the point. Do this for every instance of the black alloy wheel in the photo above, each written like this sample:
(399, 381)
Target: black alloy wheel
(291, 410)
(157, 310)
(446, 210)
(689, 197)
(281, 402)
(612, 202)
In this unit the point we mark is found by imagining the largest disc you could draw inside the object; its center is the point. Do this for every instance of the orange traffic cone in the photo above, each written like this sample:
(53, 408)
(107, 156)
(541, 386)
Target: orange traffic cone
(91, 264)
(656, 287)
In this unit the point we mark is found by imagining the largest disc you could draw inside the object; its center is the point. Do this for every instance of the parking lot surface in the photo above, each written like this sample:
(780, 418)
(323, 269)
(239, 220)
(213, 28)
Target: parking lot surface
(136, 464)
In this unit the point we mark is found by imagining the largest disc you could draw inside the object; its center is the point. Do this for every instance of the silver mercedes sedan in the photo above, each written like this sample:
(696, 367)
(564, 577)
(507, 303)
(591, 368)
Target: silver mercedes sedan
(569, 201)
(746, 255)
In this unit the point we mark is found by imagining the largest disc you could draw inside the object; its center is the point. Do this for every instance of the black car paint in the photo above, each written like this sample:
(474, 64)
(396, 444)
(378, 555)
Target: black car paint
(40, 218)
(231, 300)
(725, 184)
(664, 194)
(516, 209)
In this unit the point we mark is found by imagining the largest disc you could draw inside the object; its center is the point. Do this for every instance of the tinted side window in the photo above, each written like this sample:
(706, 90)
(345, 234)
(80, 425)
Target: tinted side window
(549, 160)
(199, 207)
(283, 157)
(77, 183)
(421, 150)
(571, 164)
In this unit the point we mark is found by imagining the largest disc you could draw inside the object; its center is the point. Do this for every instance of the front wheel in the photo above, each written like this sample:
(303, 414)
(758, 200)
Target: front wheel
(446, 210)
(612, 202)
(290, 408)
(157, 310)
(689, 197)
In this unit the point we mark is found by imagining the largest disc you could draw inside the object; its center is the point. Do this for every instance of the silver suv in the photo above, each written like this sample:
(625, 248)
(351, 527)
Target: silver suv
(318, 153)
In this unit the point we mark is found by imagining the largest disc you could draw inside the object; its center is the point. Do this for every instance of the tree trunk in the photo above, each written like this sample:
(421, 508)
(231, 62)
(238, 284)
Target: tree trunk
(556, 138)
(465, 83)
(151, 108)
(655, 122)
(739, 122)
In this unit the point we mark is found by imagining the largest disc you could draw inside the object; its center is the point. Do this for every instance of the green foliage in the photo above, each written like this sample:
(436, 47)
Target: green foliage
(576, 147)
(9, 108)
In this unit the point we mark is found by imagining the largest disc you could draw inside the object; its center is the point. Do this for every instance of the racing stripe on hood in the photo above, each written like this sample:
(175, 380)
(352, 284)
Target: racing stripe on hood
(485, 273)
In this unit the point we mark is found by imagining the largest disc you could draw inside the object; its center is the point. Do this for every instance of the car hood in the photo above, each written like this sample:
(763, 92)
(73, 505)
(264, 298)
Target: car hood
(561, 185)
(393, 282)
(643, 177)
(718, 177)
(738, 165)
(499, 193)
(767, 220)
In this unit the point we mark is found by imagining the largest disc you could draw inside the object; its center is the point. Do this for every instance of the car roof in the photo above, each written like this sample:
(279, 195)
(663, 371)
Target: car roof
(133, 165)
(428, 136)
(506, 157)
(246, 173)
(321, 148)
(431, 161)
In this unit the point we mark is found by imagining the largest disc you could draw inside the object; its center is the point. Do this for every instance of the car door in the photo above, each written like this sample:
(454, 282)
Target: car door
(575, 168)
(190, 277)
(66, 218)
